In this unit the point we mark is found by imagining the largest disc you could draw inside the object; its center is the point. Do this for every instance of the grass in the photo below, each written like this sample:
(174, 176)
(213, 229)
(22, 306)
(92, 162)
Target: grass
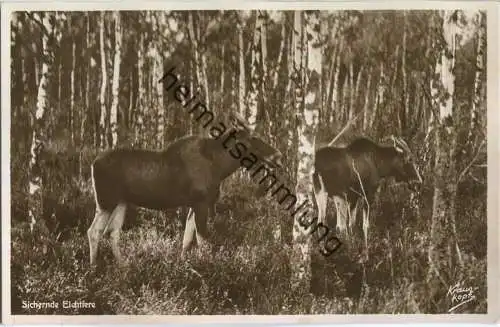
(248, 271)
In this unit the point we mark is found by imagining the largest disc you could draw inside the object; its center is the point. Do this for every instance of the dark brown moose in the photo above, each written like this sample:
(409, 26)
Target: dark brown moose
(353, 173)
(188, 173)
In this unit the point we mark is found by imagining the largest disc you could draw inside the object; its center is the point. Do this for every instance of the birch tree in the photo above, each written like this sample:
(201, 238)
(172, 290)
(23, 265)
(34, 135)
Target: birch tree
(104, 82)
(241, 62)
(157, 58)
(309, 119)
(445, 188)
(480, 67)
(46, 20)
(406, 93)
(141, 89)
(73, 85)
(87, 69)
(116, 79)
(254, 93)
(263, 44)
(199, 58)
(366, 108)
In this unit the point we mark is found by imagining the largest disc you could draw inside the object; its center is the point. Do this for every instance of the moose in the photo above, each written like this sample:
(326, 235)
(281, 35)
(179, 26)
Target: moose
(353, 173)
(187, 173)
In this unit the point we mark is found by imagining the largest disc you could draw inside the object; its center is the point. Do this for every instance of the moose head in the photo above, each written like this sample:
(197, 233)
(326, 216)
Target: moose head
(267, 153)
(403, 162)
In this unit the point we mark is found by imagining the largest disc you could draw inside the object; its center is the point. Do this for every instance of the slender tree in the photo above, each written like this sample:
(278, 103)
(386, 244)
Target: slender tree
(254, 93)
(104, 82)
(241, 62)
(39, 140)
(115, 87)
(309, 119)
(445, 189)
(480, 65)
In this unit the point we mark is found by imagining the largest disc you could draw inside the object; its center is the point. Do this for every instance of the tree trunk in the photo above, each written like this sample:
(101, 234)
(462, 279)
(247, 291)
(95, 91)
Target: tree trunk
(445, 186)
(400, 118)
(478, 80)
(222, 75)
(104, 82)
(335, 86)
(263, 44)
(290, 93)
(141, 90)
(254, 93)
(204, 75)
(116, 80)
(359, 78)
(351, 89)
(87, 109)
(379, 97)
(282, 52)
(366, 108)
(159, 101)
(241, 77)
(39, 139)
(308, 116)
(72, 96)
(200, 60)
(406, 93)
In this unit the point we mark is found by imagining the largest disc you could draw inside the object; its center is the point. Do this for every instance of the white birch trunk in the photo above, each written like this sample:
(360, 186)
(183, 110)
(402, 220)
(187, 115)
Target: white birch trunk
(309, 119)
(444, 198)
(194, 42)
(104, 82)
(222, 76)
(404, 71)
(116, 80)
(263, 43)
(72, 96)
(241, 76)
(335, 87)
(366, 108)
(281, 52)
(478, 79)
(38, 143)
(141, 92)
(351, 89)
(255, 78)
(379, 97)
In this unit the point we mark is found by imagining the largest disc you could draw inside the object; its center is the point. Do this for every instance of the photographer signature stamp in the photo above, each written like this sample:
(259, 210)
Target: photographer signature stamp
(460, 295)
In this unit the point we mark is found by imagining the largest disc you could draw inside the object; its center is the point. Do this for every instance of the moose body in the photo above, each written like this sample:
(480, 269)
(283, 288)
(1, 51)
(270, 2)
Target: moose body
(188, 173)
(354, 172)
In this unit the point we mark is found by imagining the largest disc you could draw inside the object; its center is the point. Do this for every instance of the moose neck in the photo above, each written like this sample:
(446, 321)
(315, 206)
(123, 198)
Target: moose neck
(229, 152)
(383, 158)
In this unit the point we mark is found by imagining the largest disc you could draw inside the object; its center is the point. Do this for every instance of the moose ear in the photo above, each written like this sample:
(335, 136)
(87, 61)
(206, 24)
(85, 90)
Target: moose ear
(239, 122)
(395, 144)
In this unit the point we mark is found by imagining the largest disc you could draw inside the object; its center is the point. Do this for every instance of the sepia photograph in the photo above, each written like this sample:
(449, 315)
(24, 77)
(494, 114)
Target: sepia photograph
(277, 162)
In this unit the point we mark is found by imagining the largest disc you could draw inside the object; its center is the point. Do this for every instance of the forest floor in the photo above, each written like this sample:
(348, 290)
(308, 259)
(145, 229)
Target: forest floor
(248, 271)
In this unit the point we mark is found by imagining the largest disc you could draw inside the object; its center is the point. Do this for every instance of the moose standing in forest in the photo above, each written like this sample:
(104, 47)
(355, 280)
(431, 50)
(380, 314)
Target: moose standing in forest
(353, 173)
(188, 173)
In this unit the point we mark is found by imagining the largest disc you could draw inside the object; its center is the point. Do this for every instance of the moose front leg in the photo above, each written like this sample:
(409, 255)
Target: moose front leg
(201, 216)
(95, 232)
(115, 228)
(189, 231)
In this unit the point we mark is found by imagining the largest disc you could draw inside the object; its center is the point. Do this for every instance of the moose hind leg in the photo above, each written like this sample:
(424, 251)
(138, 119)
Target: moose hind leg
(201, 215)
(321, 197)
(366, 226)
(115, 228)
(189, 231)
(95, 232)
(341, 208)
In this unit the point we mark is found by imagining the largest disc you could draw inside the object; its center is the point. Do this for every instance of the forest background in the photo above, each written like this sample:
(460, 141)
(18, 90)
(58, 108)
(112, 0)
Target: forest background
(87, 81)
